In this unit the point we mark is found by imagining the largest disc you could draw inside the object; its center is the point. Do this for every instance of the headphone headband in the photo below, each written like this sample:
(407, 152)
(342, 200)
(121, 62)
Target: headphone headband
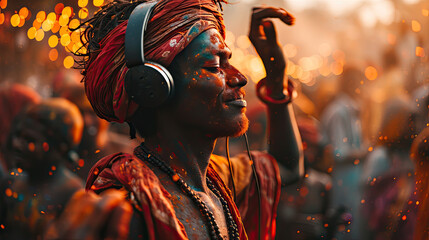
(134, 36)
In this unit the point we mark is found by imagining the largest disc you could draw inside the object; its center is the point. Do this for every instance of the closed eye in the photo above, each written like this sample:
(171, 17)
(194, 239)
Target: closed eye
(213, 69)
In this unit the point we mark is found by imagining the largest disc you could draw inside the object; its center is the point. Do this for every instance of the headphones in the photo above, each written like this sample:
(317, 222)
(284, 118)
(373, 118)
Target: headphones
(149, 84)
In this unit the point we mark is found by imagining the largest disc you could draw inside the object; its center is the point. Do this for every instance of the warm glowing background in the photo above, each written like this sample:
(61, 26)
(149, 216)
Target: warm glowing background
(35, 40)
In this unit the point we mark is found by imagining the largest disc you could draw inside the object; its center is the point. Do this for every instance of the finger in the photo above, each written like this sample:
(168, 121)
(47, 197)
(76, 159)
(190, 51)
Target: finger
(270, 31)
(270, 12)
(259, 14)
(119, 223)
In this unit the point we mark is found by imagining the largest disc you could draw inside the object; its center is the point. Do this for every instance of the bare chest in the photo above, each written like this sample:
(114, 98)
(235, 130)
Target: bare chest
(190, 215)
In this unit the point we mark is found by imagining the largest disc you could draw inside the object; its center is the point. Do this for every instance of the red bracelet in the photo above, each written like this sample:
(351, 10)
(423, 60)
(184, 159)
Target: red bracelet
(261, 92)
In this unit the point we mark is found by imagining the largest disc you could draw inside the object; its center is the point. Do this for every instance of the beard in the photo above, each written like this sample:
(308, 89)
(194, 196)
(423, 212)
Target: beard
(228, 128)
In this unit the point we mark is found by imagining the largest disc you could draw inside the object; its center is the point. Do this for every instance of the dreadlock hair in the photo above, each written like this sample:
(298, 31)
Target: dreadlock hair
(99, 26)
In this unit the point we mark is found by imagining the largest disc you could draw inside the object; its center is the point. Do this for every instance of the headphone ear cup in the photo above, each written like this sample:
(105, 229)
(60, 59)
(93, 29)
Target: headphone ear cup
(149, 85)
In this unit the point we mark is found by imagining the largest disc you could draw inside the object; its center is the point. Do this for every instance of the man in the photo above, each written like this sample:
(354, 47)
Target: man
(177, 188)
(14, 98)
(39, 145)
(341, 121)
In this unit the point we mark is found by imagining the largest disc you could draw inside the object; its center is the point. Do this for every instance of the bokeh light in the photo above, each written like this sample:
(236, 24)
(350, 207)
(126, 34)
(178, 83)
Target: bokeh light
(15, 20)
(1, 18)
(75, 36)
(40, 17)
(425, 12)
(40, 34)
(47, 25)
(371, 73)
(67, 11)
(37, 24)
(23, 12)
(290, 50)
(68, 62)
(51, 17)
(83, 13)
(336, 68)
(59, 8)
(82, 3)
(420, 52)
(53, 54)
(65, 40)
(3, 4)
(31, 33)
(56, 27)
(325, 49)
(243, 42)
(21, 22)
(64, 30)
(415, 26)
(74, 23)
(53, 41)
(98, 3)
(63, 20)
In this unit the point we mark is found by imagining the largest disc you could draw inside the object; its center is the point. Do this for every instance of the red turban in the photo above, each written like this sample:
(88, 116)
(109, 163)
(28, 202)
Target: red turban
(174, 24)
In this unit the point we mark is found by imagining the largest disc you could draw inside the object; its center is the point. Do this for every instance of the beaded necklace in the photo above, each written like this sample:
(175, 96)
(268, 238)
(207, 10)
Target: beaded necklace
(145, 154)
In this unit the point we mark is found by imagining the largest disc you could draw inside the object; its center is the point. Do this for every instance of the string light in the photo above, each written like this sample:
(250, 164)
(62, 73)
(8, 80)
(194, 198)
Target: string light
(53, 55)
(68, 62)
(74, 23)
(83, 13)
(23, 12)
(82, 3)
(56, 27)
(59, 8)
(40, 34)
(65, 40)
(40, 17)
(63, 20)
(67, 11)
(15, 20)
(3, 4)
(98, 3)
(31, 33)
(53, 41)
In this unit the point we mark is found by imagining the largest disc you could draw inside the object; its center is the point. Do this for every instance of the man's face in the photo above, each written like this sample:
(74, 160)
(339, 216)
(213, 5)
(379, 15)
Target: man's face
(208, 94)
(29, 147)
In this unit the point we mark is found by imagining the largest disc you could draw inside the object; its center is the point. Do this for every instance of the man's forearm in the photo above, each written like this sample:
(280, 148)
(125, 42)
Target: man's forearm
(284, 140)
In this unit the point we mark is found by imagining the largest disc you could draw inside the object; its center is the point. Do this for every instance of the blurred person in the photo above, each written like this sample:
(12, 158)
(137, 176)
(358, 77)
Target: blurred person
(388, 177)
(94, 136)
(13, 99)
(420, 155)
(39, 146)
(342, 125)
(178, 189)
(420, 100)
(390, 84)
(304, 205)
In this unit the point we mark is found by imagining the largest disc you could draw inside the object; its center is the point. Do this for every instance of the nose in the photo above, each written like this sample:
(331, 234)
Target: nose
(235, 78)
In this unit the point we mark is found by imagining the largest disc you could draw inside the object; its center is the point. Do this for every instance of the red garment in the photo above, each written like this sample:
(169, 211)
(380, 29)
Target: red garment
(125, 170)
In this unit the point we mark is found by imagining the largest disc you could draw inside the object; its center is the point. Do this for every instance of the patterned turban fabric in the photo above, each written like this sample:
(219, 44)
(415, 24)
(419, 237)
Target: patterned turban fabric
(173, 25)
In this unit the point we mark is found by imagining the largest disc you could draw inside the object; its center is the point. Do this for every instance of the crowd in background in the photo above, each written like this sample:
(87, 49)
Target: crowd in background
(362, 110)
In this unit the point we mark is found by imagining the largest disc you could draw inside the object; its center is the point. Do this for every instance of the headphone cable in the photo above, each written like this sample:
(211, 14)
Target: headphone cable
(257, 184)
(230, 167)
